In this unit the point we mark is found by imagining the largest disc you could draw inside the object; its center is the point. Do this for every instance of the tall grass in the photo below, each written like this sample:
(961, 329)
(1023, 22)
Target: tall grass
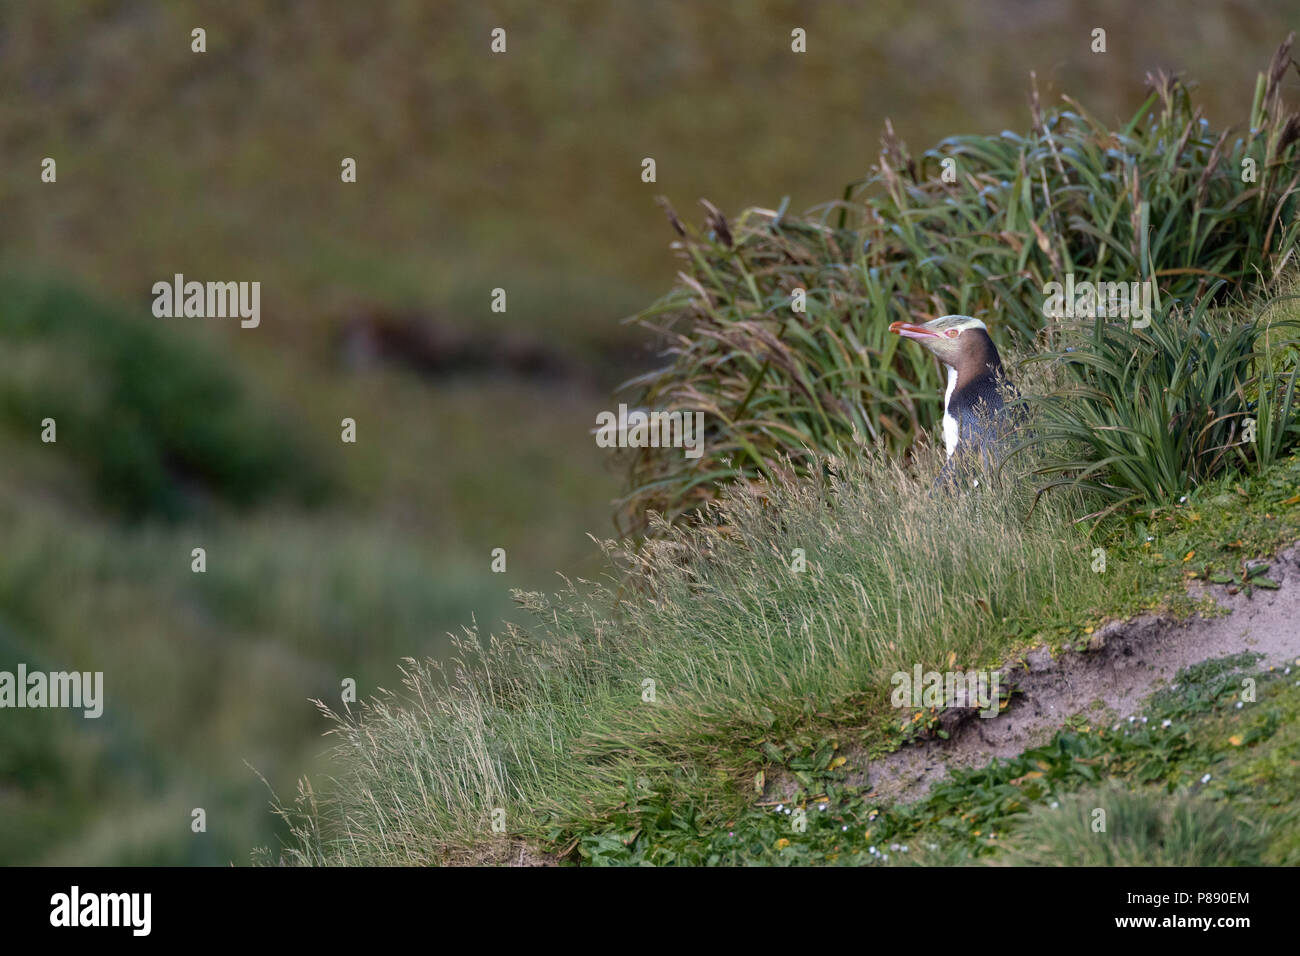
(554, 725)
(1145, 414)
(1160, 198)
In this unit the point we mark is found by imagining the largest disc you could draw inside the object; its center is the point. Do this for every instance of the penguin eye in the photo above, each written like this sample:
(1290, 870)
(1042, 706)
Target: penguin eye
(953, 333)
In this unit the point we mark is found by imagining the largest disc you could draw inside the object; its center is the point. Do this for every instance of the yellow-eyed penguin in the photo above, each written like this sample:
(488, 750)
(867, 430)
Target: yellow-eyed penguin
(972, 403)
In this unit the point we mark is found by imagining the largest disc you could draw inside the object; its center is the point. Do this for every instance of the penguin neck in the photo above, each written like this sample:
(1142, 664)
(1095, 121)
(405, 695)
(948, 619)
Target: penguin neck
(977, 361)
(952, 387)
(978, 365)
(950, 429)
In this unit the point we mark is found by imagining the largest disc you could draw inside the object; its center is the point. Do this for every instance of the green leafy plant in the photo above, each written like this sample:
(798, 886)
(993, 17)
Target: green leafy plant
(1245, 578)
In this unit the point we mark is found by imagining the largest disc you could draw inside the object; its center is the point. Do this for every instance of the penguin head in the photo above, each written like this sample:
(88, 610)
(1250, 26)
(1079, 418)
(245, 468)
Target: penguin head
(953, 339)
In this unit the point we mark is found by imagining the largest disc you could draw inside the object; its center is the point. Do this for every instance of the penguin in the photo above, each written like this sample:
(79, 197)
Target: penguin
(974, 419)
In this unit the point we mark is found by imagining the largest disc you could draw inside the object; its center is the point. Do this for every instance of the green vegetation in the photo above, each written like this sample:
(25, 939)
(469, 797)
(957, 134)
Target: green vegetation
(753, 665)
(1146, 414)
(642, 711)
(1143, 829)
(167, 442)
(1159, 198)
(225, 166)
(1195, 781)
(154, 423)
(738, 647)
(235, 154)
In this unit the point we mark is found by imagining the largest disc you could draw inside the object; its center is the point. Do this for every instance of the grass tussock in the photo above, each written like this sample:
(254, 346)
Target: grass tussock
(1114, 826)
(702, 646)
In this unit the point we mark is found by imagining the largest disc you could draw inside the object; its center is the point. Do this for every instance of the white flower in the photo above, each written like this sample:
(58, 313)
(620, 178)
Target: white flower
(1240, 705)
(780, 807)
(1166, 723)
(1055, 805)
(821, 806)
(1205, 779)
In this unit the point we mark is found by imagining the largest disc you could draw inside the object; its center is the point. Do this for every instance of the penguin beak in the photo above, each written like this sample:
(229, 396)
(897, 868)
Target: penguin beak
(913, 331)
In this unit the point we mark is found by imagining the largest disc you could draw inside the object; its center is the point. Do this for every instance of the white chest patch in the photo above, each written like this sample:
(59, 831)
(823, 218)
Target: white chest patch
(949, 423)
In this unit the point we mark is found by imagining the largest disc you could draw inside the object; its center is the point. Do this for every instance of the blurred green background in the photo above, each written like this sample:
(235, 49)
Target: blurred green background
(475, 171)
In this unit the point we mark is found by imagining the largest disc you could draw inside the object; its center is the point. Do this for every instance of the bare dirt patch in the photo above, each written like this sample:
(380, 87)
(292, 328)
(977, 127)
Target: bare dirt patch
(511, 852)
(1125, 662)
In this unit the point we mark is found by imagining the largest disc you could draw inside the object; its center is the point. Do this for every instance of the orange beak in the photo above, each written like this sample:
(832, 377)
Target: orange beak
(912, 331)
